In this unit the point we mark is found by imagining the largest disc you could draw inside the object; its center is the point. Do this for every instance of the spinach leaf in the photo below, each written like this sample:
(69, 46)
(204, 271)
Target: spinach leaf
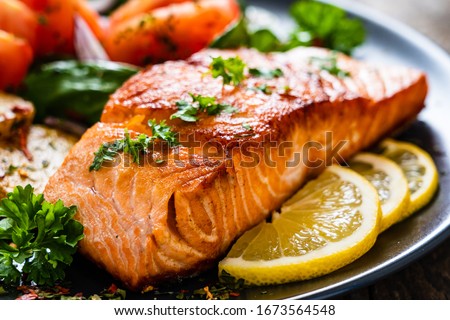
(73, 89)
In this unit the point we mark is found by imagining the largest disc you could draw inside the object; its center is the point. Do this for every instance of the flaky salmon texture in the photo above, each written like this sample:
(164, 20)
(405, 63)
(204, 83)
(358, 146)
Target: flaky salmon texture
(152, 221)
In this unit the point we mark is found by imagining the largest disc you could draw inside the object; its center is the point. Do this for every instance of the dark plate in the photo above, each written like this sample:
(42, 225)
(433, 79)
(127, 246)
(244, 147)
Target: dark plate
(388, 42)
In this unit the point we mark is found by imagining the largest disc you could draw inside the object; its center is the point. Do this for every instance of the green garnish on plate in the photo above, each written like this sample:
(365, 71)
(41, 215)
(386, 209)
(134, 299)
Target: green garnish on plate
(37, 238)
(188, 111)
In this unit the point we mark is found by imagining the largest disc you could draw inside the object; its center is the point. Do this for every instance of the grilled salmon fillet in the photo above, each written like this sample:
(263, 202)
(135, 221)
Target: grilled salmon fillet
(150, 221)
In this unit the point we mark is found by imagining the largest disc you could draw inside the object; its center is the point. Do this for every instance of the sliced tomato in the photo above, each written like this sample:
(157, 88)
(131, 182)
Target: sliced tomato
(55, 26)
(18, 19)
(172, 32)
(134, 8)
(16, 56)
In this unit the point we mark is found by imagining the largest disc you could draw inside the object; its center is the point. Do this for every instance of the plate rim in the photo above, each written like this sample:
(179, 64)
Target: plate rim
(442, 232)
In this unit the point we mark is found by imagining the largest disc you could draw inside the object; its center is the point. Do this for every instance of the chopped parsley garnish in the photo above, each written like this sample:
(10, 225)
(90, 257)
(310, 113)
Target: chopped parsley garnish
(266, 73)
(330, 65)
(37, 238)
(246, 126)
(163, 132)
(135, 147)
(188, 111)
(231, 70)
(107, 152)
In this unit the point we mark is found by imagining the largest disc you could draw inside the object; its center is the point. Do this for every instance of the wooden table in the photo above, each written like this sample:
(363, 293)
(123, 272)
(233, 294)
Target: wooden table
(428, 278)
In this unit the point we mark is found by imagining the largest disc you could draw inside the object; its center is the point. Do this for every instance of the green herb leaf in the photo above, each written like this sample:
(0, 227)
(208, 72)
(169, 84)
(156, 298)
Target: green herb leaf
(189, 111)
(265, 41)
(73, 89)
(231, 70)
(36, 235)
(246, 126)
(8, 272)
(330, 65)
(186, 112)
(298, 38)
(328, 25)
(107, 152)
(205, 103)
(209, 105)
(163, 132)
(234, 37)
(135, 147)
(226, 108)
(266, 73)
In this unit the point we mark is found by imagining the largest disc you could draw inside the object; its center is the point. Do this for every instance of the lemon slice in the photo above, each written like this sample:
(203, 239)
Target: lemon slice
(419, 169)
(329, 223)
(388, 178)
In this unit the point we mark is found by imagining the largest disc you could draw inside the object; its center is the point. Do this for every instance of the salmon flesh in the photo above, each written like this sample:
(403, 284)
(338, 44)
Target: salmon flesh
(155, 220)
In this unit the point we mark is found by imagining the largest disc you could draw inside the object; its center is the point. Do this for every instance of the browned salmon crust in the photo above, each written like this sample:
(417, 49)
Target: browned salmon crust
(145, 223)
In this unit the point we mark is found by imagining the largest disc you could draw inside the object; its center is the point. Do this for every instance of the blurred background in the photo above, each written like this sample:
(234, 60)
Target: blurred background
(430, 17)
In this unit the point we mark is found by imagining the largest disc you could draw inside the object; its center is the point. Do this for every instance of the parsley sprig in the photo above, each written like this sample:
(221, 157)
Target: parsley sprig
(108, 151)
(37, 238)
(163, 131)
(188, 111)
(231, 70)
